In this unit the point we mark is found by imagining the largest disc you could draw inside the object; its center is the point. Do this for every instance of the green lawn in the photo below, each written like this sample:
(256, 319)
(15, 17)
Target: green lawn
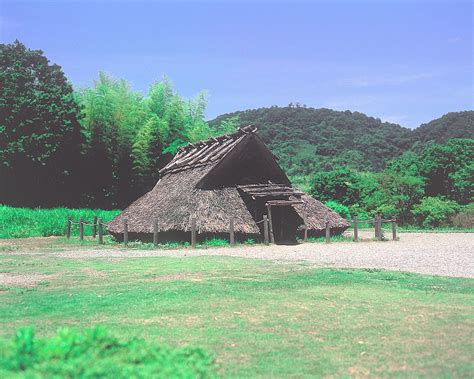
(256, 318)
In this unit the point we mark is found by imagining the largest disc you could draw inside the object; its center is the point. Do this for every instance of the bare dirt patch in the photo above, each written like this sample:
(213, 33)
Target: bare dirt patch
(23, 280)
(194, 276)
(93, 273)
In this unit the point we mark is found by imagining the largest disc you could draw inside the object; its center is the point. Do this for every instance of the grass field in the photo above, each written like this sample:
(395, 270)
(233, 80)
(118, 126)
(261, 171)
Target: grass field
(257, 318)
(27, 222)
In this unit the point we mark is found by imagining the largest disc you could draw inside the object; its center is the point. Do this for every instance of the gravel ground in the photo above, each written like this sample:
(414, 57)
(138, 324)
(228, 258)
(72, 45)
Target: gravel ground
(447, 254)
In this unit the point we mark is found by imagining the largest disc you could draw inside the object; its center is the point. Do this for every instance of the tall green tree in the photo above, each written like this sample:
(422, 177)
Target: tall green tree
(113, 115)
(40, 136)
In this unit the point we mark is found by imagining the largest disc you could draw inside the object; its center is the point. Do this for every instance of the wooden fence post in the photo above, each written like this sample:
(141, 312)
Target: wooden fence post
(265, 230)
(193, 233)
(376, 233)
(155, 233)
(305, 231)
(231, 232)
(81, 229)
(356, 229)
(328, 232)
(68, 234)
(94, 227)
(125, 232)
(394, 229)
(378, 227)
(101, 235)
(270, 225)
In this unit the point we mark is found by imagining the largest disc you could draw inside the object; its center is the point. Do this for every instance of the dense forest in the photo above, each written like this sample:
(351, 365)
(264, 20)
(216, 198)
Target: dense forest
(103, 146)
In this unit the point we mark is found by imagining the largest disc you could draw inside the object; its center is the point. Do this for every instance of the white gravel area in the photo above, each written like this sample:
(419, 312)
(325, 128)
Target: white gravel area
(447, 254)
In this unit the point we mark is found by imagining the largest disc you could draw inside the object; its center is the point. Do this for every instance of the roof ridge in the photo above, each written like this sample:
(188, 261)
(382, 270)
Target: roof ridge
(205, 152)
(240, 131)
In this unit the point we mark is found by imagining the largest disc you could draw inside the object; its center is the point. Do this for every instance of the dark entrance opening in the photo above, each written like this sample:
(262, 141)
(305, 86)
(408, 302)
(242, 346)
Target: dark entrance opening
(285, 223)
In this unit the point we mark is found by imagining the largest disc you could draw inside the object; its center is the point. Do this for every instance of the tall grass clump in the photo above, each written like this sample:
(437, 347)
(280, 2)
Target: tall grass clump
(95, 353)
(27, 222)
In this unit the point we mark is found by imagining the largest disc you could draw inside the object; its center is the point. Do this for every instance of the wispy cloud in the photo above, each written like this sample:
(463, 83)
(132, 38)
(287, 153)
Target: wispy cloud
(394, 119)
(381, 80)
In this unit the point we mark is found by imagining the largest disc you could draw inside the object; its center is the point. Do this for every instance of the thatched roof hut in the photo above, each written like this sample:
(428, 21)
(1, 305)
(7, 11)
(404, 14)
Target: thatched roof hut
(232, 176)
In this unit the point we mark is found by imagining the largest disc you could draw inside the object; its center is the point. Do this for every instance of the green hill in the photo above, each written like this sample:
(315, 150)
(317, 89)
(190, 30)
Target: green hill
(308, 140)
(451, 125)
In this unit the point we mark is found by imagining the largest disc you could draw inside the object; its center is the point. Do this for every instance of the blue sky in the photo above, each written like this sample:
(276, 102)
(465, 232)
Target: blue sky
(402, 61)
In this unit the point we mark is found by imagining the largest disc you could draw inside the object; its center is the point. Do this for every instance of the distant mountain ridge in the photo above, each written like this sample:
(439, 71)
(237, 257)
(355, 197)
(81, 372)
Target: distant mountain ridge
(309, 139)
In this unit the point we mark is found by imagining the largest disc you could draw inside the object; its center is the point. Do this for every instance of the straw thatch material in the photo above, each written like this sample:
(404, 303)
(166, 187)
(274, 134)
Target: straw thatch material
(175, 201)
(232, 176)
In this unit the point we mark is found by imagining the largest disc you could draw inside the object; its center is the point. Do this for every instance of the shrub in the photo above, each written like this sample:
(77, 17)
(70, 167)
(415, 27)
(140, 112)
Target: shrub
(465, 218)
(339, 208)
(434, 211)
(95, 353)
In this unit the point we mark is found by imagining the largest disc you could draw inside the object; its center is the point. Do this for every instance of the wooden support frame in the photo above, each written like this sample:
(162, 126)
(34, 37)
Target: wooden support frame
(81, 229)
(125, 232)
(328, 232)
(231, 232)
(356, 229)
(101, 234)
(265, 230)
(193, 233)
(155, 233)
(94, 227)
(270, 226)
(68, 233)
(394, 229)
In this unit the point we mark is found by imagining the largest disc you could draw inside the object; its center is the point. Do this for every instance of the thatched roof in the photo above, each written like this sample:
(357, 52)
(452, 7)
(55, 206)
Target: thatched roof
(175, 201)
(213, 181)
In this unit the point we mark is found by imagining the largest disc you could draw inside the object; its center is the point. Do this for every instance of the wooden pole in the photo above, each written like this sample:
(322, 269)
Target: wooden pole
(231, 232)
(270, 226)
(101, 235)
(328, 232)
(193, 233)
(94, 227)
(375, 227)
(125, 232)
(394, 229)
(379, 227)
(265, 230)
(305, 235)
(68, 234)
(81, 229)
(155, 233)
(356, 229)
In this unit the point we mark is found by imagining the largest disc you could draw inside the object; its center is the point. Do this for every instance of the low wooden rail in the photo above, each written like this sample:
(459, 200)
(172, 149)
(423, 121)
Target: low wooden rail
(98, 229)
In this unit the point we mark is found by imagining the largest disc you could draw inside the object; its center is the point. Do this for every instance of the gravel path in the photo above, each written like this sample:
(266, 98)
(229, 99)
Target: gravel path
(447, 254)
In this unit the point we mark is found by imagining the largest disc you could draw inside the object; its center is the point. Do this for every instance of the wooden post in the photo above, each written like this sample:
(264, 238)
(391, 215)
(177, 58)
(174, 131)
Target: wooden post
(94, 227)
(328, 232)
(125, 232)
(356, 229)
(305, 231)
(155, 233)
(193, 233)
(231, 232)
(81, 229)
(394, 229)
(376, 235)
(101, 235)
(378, 222)
(68, 234)
(265, 230)
(270, 226)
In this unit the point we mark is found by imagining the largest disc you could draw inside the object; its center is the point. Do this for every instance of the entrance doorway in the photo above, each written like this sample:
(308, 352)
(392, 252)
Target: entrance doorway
(284, 221)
